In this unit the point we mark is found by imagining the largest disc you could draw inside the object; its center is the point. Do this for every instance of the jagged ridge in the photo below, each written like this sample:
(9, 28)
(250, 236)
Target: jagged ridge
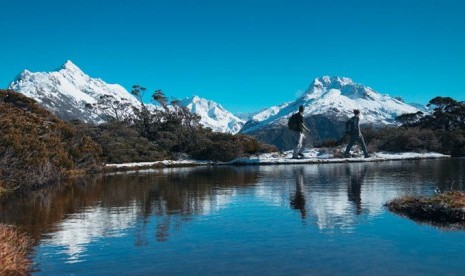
(213, 115)
(67, 90)
(334, 97)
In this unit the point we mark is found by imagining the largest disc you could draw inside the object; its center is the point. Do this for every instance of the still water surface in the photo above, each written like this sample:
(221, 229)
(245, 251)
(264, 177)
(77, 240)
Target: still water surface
(314, 219)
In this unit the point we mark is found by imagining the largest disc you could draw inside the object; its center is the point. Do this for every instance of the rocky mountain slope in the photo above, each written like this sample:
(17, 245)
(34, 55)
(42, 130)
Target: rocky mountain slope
(328, 102)
(68, 92)
(213, 115)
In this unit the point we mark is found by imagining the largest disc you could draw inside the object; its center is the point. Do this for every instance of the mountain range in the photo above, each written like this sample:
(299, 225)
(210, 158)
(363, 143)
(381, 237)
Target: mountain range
(328, 102)
(68, 92)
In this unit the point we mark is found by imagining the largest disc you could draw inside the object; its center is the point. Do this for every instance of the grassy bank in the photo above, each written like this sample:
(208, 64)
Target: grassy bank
(445, 209)
(14, 249)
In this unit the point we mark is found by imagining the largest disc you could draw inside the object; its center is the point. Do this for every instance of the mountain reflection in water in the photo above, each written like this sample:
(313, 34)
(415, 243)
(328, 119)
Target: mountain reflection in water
(156, 206)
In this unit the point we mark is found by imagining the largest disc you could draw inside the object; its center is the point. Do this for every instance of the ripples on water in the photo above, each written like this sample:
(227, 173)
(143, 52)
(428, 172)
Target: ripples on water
(302, 219)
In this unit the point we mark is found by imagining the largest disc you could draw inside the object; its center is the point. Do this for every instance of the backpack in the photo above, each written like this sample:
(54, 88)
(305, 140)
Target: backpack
(350, 126)
(293, 124)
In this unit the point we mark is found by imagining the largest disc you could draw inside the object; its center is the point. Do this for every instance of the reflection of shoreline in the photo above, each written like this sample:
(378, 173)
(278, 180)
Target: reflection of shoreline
(159, 204)
(76, 215)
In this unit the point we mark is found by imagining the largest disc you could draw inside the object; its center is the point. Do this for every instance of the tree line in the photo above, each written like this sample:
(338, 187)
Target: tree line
(37, 148)
(441, 130)
(168, 131)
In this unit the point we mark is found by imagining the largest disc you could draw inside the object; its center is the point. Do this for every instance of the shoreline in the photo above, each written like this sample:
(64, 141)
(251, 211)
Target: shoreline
(270, 159)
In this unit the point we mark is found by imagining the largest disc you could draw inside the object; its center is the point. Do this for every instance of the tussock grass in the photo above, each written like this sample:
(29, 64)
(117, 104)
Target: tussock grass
(452, 199)
(14, 249)
(445, 208)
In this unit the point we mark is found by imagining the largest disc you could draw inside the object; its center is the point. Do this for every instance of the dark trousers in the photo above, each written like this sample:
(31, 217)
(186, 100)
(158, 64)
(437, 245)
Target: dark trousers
(360, 140)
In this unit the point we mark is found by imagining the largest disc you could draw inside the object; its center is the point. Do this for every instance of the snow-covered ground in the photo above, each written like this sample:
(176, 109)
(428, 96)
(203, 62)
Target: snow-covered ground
(315, 156)
(312, 156)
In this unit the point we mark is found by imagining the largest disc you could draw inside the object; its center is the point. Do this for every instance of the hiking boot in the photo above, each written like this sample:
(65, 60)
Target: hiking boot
(295, 157)
(367, 156)
(301, 155)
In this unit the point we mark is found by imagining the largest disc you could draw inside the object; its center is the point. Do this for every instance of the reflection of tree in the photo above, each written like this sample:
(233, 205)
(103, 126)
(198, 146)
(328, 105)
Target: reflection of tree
(38, 211)
(354, 188)
(182, 195)
(171, 197)
(451, 175)
(298, 200)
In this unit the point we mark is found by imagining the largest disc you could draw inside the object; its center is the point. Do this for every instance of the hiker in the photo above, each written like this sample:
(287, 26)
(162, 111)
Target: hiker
(297, 126)
(353, 130)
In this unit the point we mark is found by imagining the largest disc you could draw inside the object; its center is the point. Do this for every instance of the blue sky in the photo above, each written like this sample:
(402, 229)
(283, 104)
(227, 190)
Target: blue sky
(246, 55)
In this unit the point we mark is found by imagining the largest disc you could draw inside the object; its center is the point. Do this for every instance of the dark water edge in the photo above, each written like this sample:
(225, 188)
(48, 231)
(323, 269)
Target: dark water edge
(297, 219)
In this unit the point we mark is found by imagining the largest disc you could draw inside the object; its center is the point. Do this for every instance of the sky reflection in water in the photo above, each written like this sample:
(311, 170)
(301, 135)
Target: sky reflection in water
(318, 219)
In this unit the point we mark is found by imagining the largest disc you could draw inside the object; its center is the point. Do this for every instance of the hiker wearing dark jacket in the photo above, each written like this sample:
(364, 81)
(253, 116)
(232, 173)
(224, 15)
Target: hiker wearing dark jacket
(353, 130)
(299, 131)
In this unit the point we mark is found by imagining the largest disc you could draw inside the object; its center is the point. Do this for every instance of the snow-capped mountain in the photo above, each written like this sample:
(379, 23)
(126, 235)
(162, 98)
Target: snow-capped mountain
(213, 115)
(68, 92)
(328, 102)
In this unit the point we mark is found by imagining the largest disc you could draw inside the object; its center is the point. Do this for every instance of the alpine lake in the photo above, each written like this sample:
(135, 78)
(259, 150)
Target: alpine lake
(314, 219)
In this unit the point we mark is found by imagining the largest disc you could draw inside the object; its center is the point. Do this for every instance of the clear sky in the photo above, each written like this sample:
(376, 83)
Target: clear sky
(244, 54)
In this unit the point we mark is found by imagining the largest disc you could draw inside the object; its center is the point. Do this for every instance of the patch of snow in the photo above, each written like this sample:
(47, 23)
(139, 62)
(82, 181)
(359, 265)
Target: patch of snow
(315, 156)
(311, 156)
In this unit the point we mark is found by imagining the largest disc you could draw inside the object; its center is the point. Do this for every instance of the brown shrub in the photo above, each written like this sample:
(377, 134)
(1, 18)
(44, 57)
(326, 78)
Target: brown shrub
(226, 147)
(121, 143)
(444, 208)
(14, 250)
(398, 139)
(36, 147)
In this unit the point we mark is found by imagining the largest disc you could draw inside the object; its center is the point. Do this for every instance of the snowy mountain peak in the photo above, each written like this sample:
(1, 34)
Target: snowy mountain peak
(213, 115)
(68, 91)
(69, 65)
(70, 68)
(343, 87)
(195, 98)
(332, 82)
(26, 73)
(335, 98)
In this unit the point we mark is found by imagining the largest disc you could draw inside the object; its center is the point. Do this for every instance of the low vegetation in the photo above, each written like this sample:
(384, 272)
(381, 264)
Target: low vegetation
(37, 148)
(14, 250)
(443, 130)
(168, 132)
(444, 209)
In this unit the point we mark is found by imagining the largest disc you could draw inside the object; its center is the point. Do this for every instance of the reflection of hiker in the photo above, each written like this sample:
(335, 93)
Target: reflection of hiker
(353, 129)
(296, 124)
(298, 200)
(354, 189)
